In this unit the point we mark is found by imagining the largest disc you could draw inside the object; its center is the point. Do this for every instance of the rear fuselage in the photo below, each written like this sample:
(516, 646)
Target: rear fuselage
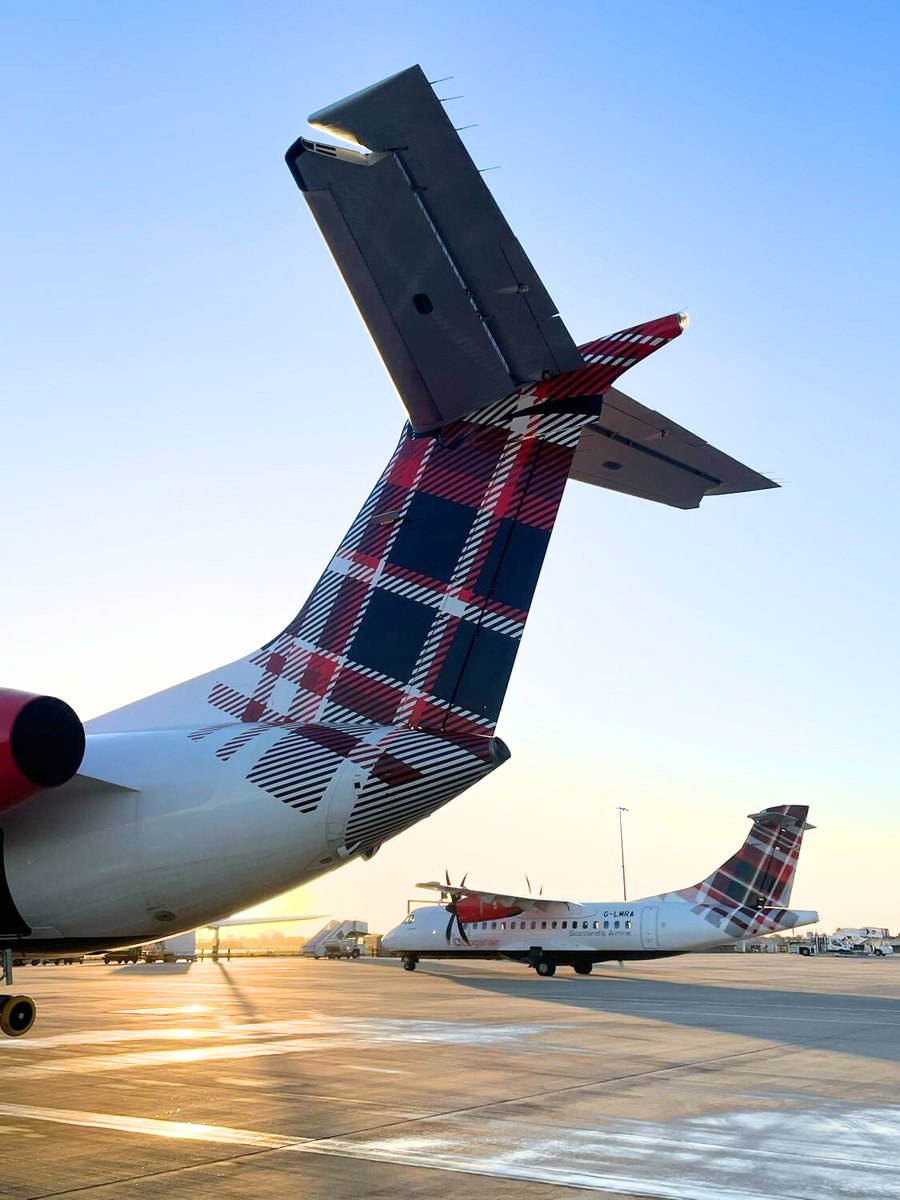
(190, 832)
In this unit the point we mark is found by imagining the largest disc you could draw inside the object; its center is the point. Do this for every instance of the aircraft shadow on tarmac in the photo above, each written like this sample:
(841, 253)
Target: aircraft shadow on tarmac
(139, 968)
(865, 1026)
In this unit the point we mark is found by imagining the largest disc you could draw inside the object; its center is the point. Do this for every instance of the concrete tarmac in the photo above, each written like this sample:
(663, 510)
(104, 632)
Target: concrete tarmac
(709, 1077)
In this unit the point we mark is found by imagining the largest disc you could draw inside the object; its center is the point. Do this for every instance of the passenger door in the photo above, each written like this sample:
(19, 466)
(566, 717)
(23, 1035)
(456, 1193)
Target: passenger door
(649, 927)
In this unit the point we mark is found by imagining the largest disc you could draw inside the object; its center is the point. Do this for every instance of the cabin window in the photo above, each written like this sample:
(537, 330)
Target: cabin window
(584, 924)
(606, 924)
(543, 924)
(484, 924)
(596, 924)
(627, 924)
(615, 924)
(502, 924)
(565, 924)
(534, 924)
(493, 924)
(552, 924)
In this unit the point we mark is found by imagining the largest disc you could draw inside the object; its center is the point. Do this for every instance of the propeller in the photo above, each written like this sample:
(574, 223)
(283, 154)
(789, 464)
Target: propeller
(453, 910)
(528, 882)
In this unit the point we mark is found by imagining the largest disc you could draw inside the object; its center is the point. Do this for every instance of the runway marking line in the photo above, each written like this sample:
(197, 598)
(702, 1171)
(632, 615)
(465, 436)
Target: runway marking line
(180, 1130)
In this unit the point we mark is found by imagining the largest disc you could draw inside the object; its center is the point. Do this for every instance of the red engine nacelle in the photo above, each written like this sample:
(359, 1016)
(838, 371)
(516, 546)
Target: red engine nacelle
(473, 908)
(41, 744)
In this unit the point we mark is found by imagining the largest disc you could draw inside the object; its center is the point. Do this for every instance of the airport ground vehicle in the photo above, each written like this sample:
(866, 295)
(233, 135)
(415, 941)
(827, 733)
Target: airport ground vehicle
(745, 897)
(864, 939)
(378, 702)
(347, 947)
(337, 939)
(182, 947)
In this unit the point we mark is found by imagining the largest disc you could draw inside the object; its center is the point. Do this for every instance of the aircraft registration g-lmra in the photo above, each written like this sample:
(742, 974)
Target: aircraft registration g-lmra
(746, 897)
(378, 702)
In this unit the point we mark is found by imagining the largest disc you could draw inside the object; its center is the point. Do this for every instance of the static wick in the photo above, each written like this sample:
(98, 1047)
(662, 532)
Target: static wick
(460, 128)
(481, 170)
(443, 79)
(446, 99)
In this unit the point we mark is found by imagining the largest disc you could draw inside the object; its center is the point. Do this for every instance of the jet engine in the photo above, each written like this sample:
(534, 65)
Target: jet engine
(41, 744)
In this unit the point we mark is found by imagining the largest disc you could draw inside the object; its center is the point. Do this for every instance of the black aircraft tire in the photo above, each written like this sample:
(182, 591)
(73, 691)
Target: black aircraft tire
(17, 1015)
(583, 968)
(408, 965)
(545, 968)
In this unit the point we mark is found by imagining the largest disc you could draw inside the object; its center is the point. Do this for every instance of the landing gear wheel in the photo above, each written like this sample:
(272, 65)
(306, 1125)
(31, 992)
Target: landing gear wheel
(16, 1015)
(409, 964)
(545, 968)
(583, 968)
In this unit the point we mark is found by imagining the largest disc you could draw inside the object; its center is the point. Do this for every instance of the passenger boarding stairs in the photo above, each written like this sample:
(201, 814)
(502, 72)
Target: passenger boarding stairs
(333, 931)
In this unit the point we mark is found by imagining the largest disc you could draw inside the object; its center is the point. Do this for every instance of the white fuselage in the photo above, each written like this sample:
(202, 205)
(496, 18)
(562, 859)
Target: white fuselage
(183, 837)
(648, 928)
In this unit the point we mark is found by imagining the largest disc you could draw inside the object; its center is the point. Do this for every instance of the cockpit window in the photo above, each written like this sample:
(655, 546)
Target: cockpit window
(410, 919)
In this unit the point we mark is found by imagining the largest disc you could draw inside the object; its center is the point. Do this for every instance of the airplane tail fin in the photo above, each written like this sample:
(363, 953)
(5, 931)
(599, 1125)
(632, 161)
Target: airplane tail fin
(417, 619)
(761, 874)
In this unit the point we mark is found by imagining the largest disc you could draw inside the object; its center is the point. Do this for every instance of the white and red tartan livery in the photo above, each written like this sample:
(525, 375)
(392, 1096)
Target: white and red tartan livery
(743, 898)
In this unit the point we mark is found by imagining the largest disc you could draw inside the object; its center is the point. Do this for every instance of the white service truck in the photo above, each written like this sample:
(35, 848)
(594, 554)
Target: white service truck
(182, 946)
(337, 939)
(866, 939)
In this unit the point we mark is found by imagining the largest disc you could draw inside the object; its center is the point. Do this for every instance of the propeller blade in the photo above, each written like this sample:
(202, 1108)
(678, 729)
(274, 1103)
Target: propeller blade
(447, 877)
(449, 930)
(541, 892)
(462, 882)
(528, 882)
(462, 931)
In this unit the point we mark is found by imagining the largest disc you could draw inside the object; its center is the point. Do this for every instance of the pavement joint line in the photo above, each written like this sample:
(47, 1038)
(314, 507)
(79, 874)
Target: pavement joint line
(156, 1127)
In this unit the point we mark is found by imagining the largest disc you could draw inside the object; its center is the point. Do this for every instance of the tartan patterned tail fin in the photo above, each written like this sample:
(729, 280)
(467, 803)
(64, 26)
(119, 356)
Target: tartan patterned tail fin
(417, 619)
(761, 874)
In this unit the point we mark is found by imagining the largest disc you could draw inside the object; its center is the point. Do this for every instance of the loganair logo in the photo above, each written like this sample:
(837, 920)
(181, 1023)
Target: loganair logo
(618, 912)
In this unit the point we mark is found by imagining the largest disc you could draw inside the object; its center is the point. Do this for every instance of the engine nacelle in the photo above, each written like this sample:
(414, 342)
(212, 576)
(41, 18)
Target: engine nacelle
(41, 745)
(473, 908)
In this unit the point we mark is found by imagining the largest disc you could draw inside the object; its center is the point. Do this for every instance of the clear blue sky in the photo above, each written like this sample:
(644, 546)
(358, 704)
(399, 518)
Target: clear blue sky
(193, 410)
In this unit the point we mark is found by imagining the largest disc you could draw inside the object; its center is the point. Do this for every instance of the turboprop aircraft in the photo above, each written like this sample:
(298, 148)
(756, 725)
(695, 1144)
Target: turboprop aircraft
(745, 897)
(378, 702)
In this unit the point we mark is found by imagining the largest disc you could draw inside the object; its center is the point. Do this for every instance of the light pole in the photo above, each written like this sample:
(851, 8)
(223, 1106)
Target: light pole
(620, 809)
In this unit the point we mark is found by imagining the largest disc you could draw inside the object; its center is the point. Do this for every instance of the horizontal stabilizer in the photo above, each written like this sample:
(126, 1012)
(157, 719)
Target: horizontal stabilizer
(456, 309)
(632, 449)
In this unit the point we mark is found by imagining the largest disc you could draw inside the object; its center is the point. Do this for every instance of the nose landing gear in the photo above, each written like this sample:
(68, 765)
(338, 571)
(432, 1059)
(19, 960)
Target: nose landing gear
(409, 962)
(16, 1012)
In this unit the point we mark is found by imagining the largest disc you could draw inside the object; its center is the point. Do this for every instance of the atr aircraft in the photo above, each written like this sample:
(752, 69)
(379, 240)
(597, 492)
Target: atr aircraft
(378, 702)
(744, 898)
